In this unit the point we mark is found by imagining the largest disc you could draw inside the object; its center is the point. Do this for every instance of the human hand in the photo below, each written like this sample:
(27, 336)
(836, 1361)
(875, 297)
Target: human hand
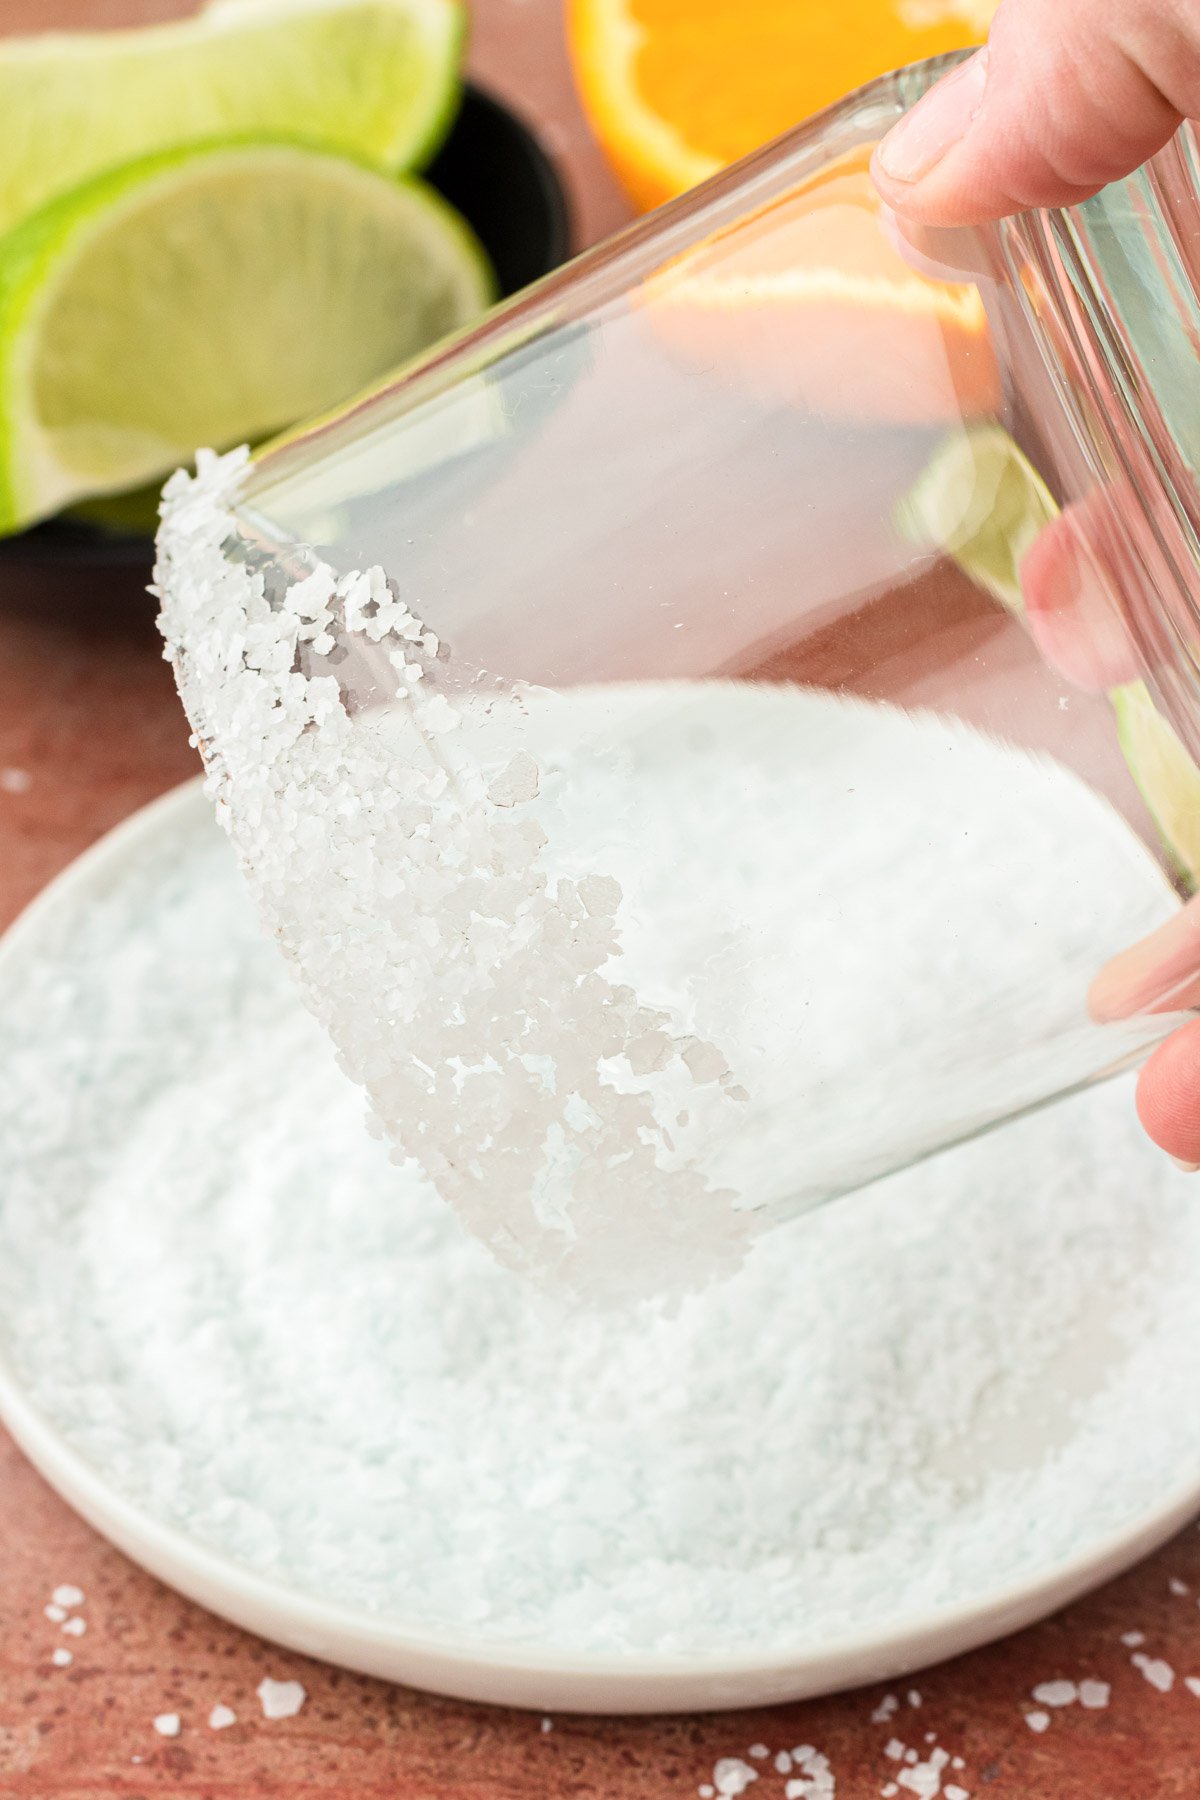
(1065, 98)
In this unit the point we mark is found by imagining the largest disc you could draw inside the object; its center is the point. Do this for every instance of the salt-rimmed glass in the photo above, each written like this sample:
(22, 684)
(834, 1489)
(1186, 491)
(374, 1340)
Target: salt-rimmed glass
(693, 734)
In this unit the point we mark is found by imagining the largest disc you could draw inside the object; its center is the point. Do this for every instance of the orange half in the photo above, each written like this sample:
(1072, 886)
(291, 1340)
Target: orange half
(677, 89)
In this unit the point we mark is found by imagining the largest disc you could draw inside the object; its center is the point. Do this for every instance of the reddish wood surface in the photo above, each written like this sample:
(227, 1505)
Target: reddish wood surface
(87, 711)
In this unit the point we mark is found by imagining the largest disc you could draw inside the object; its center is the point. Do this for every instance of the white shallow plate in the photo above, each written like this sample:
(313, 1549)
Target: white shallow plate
(539, 1674)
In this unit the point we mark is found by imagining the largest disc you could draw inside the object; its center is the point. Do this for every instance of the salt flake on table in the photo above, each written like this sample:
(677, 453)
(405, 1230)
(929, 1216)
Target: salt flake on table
(168, 1725)
(1131, 1639)
(75, 1627)
(893, 1749)
(883, 1712)
(914, 1697)
(1178, 1587)
(1158, 1673)
(55, 1614)
(1094, 1694)
(732, 1776)
(1056, 1693)
(67, 1595)
(280, 1699)
(220, 1717)
(16, 781)
(1037, 1721)
(62, 1659)
(815, 1780)
(547, 1726)
(1192, 1684)
(759, 1752)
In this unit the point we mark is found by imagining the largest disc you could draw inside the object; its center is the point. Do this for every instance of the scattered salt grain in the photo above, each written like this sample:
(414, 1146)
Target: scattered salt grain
(15, 781)
(759, 1752)
(814, 1780)
(280, 1699)
(62, 1659)
(924, 1778)
(1094, 1694)
(547, 1726)
(1131, 1639)
(168, 1725)
(783, 1762)
(1178, 1587)
(1037, 1721)
(1056, 1693)
(914, 1698)
(931, 1737)
(1192, 1684)
(732, 1776)
(952, 1791)
(883, 1712)
(894, 1749)
(910, 1756)
(1158, 1673)
(66, 1595)
(706, 1790)
(221, 1717)
(56, 1614)
(889, 1790)
(75, 1627)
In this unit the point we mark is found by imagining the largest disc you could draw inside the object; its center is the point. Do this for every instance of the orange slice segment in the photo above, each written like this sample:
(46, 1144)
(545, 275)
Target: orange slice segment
(676, 89)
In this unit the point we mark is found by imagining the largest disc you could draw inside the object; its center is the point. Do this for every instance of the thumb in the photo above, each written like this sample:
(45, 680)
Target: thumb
(1066, 97)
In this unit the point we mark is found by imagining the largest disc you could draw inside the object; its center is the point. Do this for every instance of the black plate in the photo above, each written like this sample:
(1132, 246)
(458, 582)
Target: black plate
(494, 170)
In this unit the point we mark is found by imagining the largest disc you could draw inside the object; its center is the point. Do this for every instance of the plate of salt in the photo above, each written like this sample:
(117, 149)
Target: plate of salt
(272, 1367)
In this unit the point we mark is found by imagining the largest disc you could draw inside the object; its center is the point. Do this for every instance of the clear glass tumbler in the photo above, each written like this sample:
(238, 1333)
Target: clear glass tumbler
(699, 735)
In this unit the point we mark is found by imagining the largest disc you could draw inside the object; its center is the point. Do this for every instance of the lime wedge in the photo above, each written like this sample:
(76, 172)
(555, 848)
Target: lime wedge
(982, 502)
(1167, 778)
(210, 296)
(375, 79)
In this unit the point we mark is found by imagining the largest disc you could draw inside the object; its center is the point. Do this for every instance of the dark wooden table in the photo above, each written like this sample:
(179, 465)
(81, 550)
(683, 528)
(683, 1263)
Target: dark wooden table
(89, 730)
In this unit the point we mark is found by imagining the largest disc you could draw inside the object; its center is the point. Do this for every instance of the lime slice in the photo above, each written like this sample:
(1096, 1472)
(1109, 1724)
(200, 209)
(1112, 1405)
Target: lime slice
(210, 296)
(982, 502)
(1166, 776)
(375, 79)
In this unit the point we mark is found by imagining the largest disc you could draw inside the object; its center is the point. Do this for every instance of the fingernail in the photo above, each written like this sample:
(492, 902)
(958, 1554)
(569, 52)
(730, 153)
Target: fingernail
(936, 123)
(1187, 1167)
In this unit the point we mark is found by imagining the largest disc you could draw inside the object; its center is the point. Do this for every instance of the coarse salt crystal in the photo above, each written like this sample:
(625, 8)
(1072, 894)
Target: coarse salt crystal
(547, 1726)
(1192, 1684)
(732, 1776)
(67, 1595)
(221, 1717)
(75, 1627)
(1158, 1673)
(1094, 1694)
(952, 1791)
(887, 1706)
(1056, 1693)
(1037, 1721)
(914, 1697)
(62, 1659)
(889, 1790)
(1178, 1587)
(280, 1699)
(56, 1614)
(1131, 1639)
(15, 781)
(168, 1725)
(706, 1790)
(893, 1749)
(759, 1752)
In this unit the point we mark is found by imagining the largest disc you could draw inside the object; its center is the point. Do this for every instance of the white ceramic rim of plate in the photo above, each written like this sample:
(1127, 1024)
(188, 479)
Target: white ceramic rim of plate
(532, 1675)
